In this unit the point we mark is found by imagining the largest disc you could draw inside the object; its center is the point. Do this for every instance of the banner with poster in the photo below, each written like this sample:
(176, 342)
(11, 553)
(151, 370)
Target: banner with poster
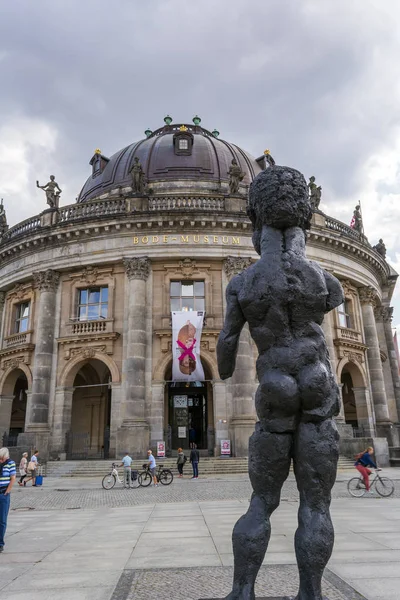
(160, 449)
(225, 447)
(186, 336)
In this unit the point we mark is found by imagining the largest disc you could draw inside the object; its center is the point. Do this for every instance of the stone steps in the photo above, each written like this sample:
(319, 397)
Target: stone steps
(208, 466)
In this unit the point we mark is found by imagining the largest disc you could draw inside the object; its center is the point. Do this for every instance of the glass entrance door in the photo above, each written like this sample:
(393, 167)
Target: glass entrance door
(188, 415)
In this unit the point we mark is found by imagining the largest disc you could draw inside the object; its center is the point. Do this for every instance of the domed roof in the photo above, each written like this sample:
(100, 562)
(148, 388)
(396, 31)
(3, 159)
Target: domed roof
(200, 166)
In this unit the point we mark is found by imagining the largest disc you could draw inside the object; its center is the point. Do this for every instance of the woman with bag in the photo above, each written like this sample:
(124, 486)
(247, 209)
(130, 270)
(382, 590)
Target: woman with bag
(22, 468)
(32, 466)
(181, 461)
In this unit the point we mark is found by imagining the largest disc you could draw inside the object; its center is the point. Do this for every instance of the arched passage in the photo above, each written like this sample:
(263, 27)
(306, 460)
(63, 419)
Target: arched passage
(189, 412)
(89, 434)
(353, 394)
(13, 402)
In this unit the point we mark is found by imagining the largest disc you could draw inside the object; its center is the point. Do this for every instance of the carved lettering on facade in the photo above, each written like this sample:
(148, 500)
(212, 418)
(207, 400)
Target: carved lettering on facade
(224, 240)
(137, 267)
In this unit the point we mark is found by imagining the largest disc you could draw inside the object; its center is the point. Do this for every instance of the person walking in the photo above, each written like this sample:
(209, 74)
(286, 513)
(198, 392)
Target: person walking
(362, 463)
(22, 468)
(152, 467)
(8, 473)
(127, 464)
(181, 461)
(194, 459)
(32, 468)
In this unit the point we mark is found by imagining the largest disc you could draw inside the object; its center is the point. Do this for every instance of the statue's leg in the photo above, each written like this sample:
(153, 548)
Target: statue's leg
(316, 451)
(269, 462)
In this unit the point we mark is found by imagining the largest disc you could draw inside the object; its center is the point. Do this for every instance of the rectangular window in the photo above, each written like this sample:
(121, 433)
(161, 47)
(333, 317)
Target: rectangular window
(344, 314)
(22, 317)
(93, 304)
(183, 144)
(187, 295)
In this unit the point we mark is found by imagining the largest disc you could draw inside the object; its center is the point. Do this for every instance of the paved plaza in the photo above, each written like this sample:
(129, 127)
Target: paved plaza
(85, 543)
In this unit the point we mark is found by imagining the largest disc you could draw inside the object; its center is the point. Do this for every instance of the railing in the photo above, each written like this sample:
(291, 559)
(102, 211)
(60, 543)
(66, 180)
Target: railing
(18, 339)
(195, 202)
(24, 227)
(115, 206)
(342, 228)
(82, 327)
(349, 334)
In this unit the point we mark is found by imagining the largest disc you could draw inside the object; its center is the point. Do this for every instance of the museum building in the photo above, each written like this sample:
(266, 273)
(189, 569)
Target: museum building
(87, 292)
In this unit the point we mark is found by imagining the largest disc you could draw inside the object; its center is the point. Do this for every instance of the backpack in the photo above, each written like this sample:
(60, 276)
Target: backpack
(184, 459)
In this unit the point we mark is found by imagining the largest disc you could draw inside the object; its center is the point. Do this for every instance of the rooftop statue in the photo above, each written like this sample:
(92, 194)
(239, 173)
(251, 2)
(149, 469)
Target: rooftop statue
(235, 177)
(357, 219)
(380, 248)
(3, 220)
(269, 158)
(315, 193)
(138, 179)
(283, 297)
(53, 192)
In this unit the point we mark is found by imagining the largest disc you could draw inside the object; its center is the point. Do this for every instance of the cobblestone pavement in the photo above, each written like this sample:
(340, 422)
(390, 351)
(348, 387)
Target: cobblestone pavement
(213, 583)
(66, 494)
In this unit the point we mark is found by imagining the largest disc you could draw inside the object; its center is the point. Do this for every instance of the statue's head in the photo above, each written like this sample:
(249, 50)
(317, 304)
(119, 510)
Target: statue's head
(52, 178)
(234, 161)
(312, 179)
(279, 198)
(136, 159)
(381, 241)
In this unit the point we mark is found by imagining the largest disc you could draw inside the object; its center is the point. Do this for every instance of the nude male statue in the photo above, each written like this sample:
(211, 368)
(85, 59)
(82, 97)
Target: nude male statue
(284, 297)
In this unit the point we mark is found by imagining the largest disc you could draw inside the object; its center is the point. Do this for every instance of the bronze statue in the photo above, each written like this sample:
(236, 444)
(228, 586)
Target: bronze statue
(315, 193)
(357, 219)
(53, 192)
(138, 178)
(380, 248)
(3, 220)
(235, 177)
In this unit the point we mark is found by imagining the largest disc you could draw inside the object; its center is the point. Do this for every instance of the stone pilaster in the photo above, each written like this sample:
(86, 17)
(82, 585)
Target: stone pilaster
(61, 422)
(37, 414)
(368, 302)
(221, 420)
(5, 415)
(243, 380)
(156, 419)
(134, 432)
(387, 314)
(365, 416)
(2, 301)
(327, 328)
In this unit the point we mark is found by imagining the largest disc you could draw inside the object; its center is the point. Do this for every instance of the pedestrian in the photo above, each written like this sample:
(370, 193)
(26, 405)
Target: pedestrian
(152, 466)
(194, 459)
(8, 473)
(192, 437)
(127, 464)
(181, 461)
(362, 463)
(32, 468)
(22, 468)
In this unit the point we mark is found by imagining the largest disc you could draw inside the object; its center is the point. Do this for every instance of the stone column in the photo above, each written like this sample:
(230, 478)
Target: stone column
(5, 415)
(61, 422)
(37, 414)
(134, 432)
(2, 301)
(365, 415)
(367, 299)
(243, 381)
(394, 367)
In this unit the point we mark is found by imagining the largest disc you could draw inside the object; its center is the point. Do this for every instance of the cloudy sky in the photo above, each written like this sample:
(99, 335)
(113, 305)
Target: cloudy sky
(315, 81)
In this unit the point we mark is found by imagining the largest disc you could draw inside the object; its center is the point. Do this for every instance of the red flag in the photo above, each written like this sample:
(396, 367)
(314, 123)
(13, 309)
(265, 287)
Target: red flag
(353, 222)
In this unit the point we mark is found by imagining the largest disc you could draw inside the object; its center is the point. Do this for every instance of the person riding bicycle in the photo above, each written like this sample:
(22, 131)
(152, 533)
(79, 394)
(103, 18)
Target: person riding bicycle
(362, 463)
(152, 466)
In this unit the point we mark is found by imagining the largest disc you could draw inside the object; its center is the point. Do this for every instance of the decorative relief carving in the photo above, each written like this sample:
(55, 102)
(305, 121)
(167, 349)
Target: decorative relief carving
(13, 362)
(19, 291)
(233, 265)
(354, 356)
(90, 275)
(2, 300)
(187, 267)
(86, 352)
(347, 287)
(387, 313)
(137, 267)
(367, 295)
(46, 280)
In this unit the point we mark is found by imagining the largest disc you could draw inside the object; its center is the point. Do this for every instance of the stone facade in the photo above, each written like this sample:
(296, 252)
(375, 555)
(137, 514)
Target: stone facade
(92, 386)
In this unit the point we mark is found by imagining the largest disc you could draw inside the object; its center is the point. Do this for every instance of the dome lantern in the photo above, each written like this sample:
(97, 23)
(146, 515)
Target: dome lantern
(196, 120)
(148, 132)
(168, 120)
(215, 133)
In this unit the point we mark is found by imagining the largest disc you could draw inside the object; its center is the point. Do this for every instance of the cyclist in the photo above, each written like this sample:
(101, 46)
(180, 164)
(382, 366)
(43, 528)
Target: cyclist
(362, 463)
(152, 466)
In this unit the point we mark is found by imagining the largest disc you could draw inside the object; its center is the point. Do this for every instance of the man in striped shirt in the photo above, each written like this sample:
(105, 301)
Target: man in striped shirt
(8, 474)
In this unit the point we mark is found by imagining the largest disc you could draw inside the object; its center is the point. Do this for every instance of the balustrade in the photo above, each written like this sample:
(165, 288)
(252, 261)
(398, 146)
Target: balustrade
(88, 327)
(18, 339)
(179, 202)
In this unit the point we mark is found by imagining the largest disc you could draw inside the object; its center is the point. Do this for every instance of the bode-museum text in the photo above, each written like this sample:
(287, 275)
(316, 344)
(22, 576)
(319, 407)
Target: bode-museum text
(225, 240)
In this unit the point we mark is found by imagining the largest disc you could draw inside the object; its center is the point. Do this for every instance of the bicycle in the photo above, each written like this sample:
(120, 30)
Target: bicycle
(383, 485)
(164, 476)
(112, 477)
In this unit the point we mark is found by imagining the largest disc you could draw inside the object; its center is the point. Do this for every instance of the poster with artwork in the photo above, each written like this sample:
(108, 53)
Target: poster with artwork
(160, 449)
(186, 336)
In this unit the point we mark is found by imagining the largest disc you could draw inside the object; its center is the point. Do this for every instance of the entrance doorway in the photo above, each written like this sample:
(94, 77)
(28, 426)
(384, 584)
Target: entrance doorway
(189, 413)
(89, 435)
(18, 410)
(349, 401)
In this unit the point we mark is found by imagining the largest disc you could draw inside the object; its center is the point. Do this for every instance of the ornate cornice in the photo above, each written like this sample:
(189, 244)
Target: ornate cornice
(137, 267)
(2, 300)
(233, 265)
(367, 295)
(46, 280)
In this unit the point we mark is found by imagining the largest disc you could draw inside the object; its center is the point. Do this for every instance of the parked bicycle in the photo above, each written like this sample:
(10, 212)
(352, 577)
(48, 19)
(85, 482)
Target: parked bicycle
(164, 476)
(383, 485)
(112, 477)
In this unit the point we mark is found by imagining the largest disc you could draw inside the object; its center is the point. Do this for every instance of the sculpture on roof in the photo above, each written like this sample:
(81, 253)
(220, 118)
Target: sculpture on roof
(138, 177)
(235, 176)
(283, 298)
(357, 223)
(268, 158)
(53, 192)
(3, 220)
(380, 248)
(315, 193)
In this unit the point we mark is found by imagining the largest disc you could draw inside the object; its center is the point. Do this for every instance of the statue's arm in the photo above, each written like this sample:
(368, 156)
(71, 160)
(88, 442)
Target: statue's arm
(228, 340)
(335, 292)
